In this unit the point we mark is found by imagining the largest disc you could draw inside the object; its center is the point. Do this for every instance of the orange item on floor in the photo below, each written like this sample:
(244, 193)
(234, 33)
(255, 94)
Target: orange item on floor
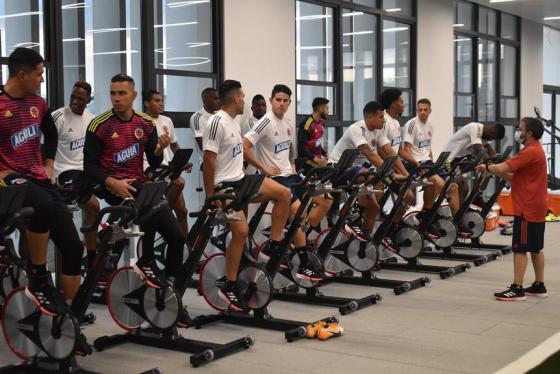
(506, 204)
(491, 221)
(554, 202)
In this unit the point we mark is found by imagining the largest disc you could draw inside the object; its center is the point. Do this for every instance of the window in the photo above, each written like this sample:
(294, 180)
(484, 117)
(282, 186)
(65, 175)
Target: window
(358, 58)
(486, 65)
(315, 54)
(339, 55)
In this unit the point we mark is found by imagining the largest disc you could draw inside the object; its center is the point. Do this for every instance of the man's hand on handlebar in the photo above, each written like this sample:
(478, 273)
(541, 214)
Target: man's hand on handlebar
(480, 168)
(320, 161)
(121, 187)
(398, 177)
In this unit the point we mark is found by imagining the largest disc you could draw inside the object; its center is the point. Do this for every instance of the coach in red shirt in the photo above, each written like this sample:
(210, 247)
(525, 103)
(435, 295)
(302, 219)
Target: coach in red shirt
(527, 173)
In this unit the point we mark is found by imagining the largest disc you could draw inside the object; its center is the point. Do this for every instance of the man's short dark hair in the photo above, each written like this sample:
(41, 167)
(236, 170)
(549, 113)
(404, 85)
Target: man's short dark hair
(207, 91)
(122, 78)
(23, 59)
(318, 101)
(424, 101)
(147, 95)
(534, 125)
(372, 107)
(257, 97)
(500, 130)
(281, 88)
(84, 86)
(227, 89)
(389, 96)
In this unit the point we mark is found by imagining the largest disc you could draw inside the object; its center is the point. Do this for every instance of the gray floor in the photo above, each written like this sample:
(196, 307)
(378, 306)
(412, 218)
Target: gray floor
(451, 326)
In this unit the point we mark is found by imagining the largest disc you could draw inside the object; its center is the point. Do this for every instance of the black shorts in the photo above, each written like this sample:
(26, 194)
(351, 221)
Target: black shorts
(80, 191)
(236, 185)
(527, 236)
(293, 182)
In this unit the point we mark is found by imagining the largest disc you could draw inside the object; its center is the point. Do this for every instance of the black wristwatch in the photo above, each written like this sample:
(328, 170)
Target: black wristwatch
(488, 170)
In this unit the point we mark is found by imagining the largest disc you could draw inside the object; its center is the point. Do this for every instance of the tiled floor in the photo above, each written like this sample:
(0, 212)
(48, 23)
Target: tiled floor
(451, 326)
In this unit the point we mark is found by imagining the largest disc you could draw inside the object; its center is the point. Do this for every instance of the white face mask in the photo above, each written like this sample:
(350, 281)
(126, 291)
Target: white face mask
(518, 138)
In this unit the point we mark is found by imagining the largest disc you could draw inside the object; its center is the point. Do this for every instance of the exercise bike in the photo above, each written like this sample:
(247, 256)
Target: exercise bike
(150, 315)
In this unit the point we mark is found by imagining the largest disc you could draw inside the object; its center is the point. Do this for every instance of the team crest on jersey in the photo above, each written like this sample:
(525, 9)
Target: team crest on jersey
(425, 143)
(127, 154)
(237, 149)
(79, 143)
(373, 143)
(23, 136)
(282, 146)
(115, 135)
(34, 111)
(8, 114)
(138, 133)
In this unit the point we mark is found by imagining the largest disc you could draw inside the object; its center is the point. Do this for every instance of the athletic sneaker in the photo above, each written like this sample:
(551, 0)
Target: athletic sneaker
(313, 328)
(229, 292)
(82, 346)
(537, 289)
(305, 272)
(513, 293)
(47, 298)
(267, 252)
(184, 320)
(149, 273)
(551, 217)
(332, 330)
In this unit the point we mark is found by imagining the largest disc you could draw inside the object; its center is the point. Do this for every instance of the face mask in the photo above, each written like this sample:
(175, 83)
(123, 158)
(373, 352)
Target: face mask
(518, 138)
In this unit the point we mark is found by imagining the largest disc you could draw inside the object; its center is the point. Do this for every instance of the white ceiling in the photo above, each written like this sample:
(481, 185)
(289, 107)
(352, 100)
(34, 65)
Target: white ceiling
(532, 9)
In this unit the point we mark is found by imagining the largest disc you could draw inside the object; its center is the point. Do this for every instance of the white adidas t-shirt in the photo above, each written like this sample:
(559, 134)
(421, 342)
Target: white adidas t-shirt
(392, 129)
(356, 135)
(198, 122)
(420, 136)
(222, 135)
(71, 138)
(272, 138)
(248, 124)
(162, 122)
(461, 143)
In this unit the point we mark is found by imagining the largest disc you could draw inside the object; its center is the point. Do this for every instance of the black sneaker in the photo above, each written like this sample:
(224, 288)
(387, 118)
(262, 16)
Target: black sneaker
(82, 346)
(184, 320)
(537, 289)
(229, 292)
(305, 272)
(513, 293)
(149, 273)
(267, 252)
(47, 298)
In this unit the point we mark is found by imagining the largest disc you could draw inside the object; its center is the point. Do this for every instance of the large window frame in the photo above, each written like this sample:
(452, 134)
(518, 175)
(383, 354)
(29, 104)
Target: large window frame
(53, 51)
(475, 37)
(336, 120)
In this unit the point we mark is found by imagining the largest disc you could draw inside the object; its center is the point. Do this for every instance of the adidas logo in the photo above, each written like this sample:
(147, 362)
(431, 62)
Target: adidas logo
(8, 114)
(276, 133)
(70, 130)
(115, 135)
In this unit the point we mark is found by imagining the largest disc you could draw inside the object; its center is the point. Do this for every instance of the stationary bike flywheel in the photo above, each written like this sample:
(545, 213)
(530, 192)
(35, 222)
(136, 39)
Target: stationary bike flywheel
(16, 307)
(162, 306)
(124, 281)
(446, 232)
(255, 286)
(473, 223)
(333, 265)
(408, 241)
(212, 270)
(314, 262)
(362, 255)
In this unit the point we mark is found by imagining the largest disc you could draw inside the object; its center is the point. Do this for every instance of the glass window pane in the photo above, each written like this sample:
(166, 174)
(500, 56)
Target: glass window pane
(358, 48)
(331, 139)
(463, 15)
(21, 25)
(314, 42)
(486, 21)
(463, 106)
(408, 108)
(396, 54)
(551, 56)
(306, 94)
(508, 70)
(546, 111)
(509, 27)
(110, 33)
(370, 3)
(508, 108)
(189, 99)
(398, 7)
(486, 80)
(183, 35)
(463, 64)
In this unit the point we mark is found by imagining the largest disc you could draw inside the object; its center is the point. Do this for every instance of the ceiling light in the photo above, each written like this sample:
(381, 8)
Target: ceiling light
(21, 14)
(395, 29)
(352, 14)
(551, 18)
(393, 10)
(459, 25)
(165, 25)
(359, 33)
(187, 3)
(500, 1)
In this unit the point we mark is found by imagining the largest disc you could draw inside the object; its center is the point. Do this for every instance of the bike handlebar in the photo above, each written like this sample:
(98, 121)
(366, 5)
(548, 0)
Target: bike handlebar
(107, 210)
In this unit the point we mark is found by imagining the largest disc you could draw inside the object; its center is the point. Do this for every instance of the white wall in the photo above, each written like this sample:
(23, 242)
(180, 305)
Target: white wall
(531, 67)
(259, 46)
(435, 65)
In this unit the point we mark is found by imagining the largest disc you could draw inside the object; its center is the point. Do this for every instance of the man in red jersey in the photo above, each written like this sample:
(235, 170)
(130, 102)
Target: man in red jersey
(113, 158)
(527, 173)
(23, 117)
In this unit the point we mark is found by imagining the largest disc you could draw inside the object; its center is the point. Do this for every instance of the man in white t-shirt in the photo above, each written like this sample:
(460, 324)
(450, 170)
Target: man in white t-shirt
(366, 136)
(417, 148)
(471, 138)
(198, 121)
(154, 107)
(71, 122)
(223, 168)
(258, 109)
(393, 103)
(272, 140)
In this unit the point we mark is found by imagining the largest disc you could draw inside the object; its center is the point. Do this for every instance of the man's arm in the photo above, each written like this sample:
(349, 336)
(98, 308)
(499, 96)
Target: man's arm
(154, 153)
(406, 153)
(388, 151)
(302, 138)
(209, 172)
(490, 150)
(372, 157)
(502, 170)
(175, 147)
(50, 143)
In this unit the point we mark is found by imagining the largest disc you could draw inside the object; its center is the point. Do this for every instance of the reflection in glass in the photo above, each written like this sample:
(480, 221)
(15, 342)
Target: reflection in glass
(182, 94)
(183, 35)
(508, 70)
(398, 7)
(463, 106)
(396, 54)
(486, 21)
(358, 49)
(463, 64)
(508, 108)
(306, 94)
(486, 80)
(314, 42)
(509, 27)
(463, 15)
(21, 25)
